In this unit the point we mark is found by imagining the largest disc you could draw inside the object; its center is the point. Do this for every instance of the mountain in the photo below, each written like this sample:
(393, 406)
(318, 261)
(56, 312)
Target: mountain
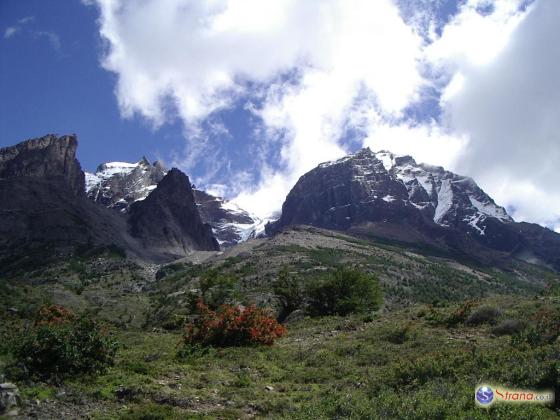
(44, 207)
(48, 157)
(394, 197)
(43, 204)
(118, 185)
(230, 223)
(168, 221)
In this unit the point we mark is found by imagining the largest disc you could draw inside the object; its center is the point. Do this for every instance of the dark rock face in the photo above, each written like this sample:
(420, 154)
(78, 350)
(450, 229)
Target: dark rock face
(168, 221)
(37, 212)
(43, 207)
(43, 204)
(48, 157)
(394, 197)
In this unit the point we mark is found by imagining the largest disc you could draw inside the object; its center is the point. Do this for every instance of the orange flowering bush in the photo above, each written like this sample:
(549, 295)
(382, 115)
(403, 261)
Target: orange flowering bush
(53, 315)
(232, 326)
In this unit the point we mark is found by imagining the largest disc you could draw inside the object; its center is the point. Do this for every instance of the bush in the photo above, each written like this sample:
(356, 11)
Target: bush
(53, 315)
(232, 326)
(61, 344)
(545, 329)
(217, 289)
(508, 327)
(289, 292)
(460, 315)
(399, 334)
(483, 315)
(343, 292)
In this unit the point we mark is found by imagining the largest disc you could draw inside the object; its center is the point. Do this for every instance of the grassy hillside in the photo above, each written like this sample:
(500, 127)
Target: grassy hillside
(445, 327)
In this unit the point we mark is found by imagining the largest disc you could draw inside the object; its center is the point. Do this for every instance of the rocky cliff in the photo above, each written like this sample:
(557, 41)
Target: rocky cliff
(168, 220)
(43, 206)
(392, 196)
(48, 157)
(118, 185)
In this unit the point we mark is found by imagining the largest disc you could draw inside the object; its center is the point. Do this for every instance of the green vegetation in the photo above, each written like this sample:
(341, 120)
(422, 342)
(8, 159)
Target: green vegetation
(442, 328)
(344, 292)
(398, 366)
(60, 345)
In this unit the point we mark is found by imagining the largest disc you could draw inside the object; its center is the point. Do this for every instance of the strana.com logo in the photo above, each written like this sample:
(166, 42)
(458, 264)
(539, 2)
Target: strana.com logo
(485, 395)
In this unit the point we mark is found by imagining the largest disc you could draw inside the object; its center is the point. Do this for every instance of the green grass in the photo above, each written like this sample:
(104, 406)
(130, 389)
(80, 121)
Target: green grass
(399, 365)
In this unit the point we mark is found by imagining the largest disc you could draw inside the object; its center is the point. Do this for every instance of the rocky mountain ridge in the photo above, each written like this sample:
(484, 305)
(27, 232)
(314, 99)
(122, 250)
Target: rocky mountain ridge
(48, 157)
(44, 208)
(394, 197)
(157, 215)
(118, 185)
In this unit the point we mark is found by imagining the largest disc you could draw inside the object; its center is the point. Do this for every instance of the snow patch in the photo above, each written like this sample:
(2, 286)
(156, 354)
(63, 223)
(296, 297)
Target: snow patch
(388, 198)
(490, 209)
(474, 220)
(388, 159)
(445, 201)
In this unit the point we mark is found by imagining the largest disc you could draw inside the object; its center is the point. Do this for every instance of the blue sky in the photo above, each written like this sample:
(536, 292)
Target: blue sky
(51, 81)
(59, 87)
(245, 96)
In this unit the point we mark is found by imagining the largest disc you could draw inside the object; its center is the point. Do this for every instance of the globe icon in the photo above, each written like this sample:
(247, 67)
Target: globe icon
(484, 395)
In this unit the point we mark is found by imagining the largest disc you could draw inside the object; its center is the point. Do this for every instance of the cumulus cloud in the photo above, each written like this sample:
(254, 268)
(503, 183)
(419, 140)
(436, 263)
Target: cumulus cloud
(312, 71)
(309, 60)
(509, 108)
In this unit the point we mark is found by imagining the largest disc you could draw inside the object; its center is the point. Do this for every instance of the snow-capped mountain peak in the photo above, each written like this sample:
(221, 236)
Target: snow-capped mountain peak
(119, 184)
(382, 179)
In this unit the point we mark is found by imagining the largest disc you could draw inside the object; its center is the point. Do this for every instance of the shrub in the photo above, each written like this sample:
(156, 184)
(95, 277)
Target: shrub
(545, 329)
(343, 292)
(217, 289)
(483, 315)
(508, 327)
(461, 314)
(289, 292)
(232, 326)
(399, 334)
(61, 345)
(53, 315)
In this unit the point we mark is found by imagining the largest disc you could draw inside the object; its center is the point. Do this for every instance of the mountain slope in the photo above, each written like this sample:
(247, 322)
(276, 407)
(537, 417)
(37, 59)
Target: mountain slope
(118, 185)
(43, 207)
(392, 196)
(168, 221)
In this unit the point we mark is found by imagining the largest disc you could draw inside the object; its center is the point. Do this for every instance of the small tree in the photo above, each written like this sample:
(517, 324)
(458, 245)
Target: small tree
(289, 292)
(217, 289)
(343, 292)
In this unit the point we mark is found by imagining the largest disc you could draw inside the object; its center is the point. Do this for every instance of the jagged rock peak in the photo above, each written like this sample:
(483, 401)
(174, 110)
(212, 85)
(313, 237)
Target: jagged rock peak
(50, 156)
(119, 184)
(168, 219)
(370, 186)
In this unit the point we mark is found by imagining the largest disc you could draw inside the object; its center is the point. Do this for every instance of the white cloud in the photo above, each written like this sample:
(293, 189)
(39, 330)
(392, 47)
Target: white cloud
(425, 142)
(472, 38)
(10, 31)
(311, 70)
(200, 54)
(22, 27)
(509, 109)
